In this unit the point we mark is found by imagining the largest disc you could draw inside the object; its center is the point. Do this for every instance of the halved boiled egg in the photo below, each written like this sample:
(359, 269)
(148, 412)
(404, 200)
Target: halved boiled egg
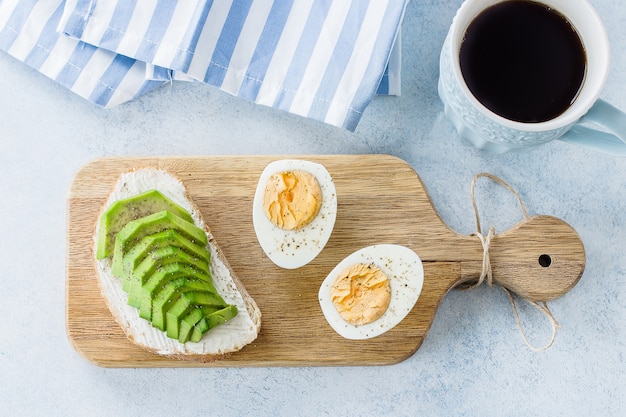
(294, 211)
(371, 290)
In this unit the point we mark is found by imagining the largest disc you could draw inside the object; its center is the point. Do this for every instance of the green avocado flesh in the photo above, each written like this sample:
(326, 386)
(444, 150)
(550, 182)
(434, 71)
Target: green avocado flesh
(171, 292)
(159, 262)
(145, 254)
(162, 260)
(206, 317)
(135, 230)
(123, 211)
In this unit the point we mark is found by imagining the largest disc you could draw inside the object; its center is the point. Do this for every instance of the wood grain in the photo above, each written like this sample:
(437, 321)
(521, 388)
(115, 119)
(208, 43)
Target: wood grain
(381, 199)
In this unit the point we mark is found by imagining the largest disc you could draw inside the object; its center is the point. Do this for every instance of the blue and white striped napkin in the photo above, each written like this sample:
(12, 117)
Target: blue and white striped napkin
(321, 59)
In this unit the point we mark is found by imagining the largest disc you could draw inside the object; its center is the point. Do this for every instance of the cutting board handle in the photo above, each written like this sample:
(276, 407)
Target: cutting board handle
(540, 258)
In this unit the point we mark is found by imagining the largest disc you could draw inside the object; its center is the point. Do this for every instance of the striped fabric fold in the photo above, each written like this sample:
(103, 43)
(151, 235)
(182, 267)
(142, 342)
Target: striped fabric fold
(28, 33)
(321, 59)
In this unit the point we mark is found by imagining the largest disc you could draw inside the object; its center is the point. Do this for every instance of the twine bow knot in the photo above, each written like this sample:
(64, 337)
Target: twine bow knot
(487, 275)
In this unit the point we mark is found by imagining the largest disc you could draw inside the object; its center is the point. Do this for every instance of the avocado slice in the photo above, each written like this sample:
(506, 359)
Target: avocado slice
(142, 295)
(209, 321)
(158, 258)
(135, 230)
(155, 303)
(199, 330)
(170, 293)
(123, 211)
(188, 322)
(150, 244)
(184, 305)
(157, 261)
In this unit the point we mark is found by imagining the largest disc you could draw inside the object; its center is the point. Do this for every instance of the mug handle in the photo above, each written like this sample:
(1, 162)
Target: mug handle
(605, 115)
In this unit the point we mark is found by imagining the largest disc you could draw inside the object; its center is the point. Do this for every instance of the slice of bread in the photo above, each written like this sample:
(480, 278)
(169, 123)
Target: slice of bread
(219, 341)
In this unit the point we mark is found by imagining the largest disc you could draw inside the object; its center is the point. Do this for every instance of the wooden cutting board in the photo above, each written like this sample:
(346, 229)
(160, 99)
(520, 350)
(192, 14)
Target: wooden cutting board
(381, 199)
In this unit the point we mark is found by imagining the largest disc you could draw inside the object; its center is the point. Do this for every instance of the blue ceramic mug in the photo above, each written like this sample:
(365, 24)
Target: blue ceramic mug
(588, 121)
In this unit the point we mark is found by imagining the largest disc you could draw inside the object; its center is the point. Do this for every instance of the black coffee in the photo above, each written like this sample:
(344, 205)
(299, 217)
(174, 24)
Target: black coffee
(523, 61)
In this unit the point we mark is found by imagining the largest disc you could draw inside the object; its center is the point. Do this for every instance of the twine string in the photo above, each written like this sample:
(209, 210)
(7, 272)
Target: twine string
(486, 273)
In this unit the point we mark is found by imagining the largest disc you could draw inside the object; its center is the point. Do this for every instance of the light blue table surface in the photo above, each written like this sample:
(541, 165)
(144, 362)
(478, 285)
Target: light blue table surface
(473, 361)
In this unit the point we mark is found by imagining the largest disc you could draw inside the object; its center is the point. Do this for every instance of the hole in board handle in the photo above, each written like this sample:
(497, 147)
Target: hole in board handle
(545, 260)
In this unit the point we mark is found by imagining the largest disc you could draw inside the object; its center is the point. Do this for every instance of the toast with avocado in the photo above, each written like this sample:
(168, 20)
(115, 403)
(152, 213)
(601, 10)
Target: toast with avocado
(163, 276)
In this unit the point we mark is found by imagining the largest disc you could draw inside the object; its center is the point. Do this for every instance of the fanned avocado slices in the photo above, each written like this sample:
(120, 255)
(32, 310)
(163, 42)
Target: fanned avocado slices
(159, 262)
(149, 290)
(209, 321)
(163, 262)
(123, 211)
(170, 293)
(135, 230)
(188, 302)
(136, 258)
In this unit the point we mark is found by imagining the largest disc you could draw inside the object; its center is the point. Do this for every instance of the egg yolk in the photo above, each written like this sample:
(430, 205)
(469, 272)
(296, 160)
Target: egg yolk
(292, 199)
(361, 294)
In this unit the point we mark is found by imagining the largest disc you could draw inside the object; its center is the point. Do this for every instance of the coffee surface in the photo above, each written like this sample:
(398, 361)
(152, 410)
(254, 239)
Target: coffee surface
(523, 61)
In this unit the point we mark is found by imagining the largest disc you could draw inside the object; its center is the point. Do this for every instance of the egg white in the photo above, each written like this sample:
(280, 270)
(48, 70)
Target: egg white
(404, 269)
(291, 249)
